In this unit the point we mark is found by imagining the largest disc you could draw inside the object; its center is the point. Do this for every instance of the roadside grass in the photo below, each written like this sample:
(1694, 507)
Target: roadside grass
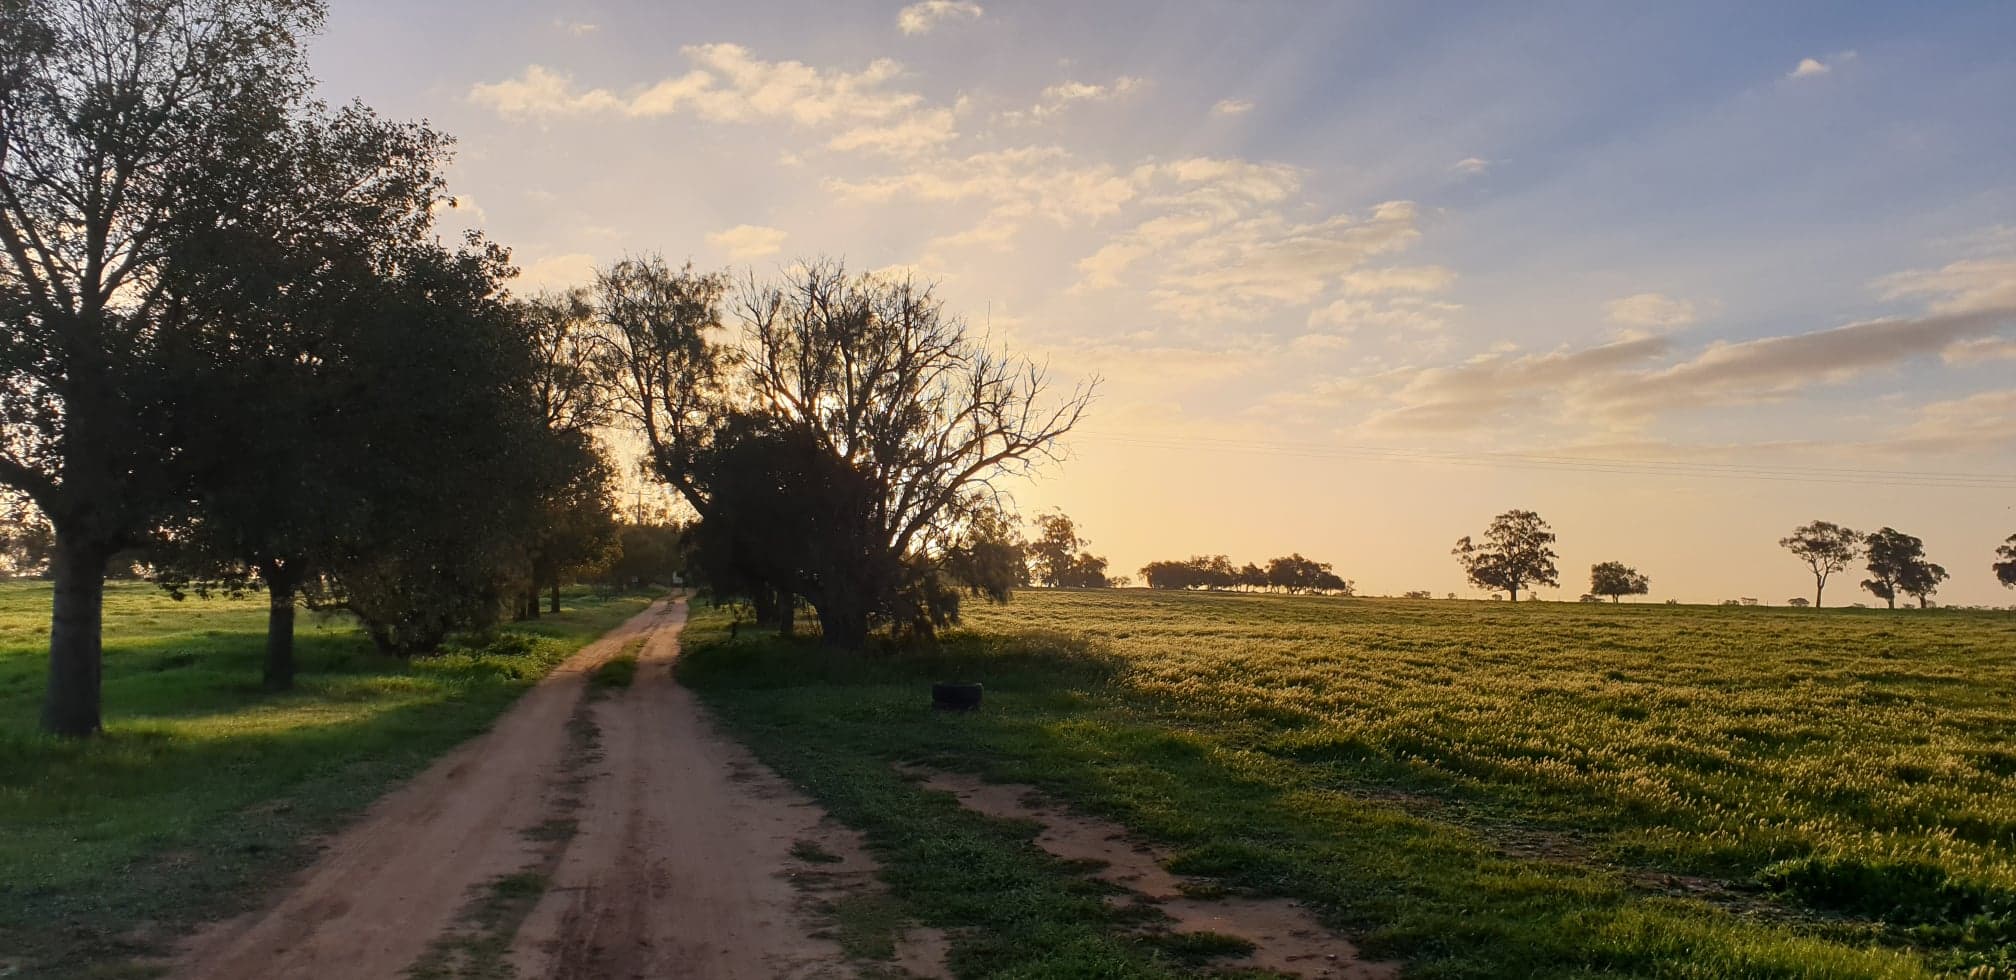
(1478, 789)
(203, 790)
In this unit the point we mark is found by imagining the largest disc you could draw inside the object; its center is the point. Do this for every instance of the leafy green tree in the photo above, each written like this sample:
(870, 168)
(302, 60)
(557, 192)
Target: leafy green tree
(1826, 548)
(312, 219)
(112, 115)
(1614, 579)
(1517, 551)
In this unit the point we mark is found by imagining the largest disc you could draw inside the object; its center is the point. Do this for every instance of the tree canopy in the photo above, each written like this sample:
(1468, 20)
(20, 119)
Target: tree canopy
(1516, 553)
(1614, 579)
(886, 427)
(1826, 548)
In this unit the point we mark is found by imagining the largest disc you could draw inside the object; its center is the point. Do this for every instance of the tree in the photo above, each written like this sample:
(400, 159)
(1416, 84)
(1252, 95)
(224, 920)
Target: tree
(1057, 558)
(306, 224)
(1897, 565)
(2005, 570)
(1516, 551)
(1614, 578)
(574, 525)
(111, 115)
(1826, 548)
(902, 425)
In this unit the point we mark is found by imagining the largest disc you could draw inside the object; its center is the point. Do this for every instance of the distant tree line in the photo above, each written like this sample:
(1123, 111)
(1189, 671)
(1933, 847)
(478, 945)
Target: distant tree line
(1289, 573)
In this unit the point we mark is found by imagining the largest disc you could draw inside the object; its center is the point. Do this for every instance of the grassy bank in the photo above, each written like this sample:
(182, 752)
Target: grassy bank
(204, 789)
(1478, 789)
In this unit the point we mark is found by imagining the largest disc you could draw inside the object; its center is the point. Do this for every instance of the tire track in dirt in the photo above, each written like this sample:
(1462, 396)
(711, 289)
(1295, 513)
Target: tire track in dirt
(1286, 937)
(682, 863)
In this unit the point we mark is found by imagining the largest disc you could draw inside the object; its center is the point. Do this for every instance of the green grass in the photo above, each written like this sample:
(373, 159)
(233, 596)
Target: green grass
(203, 789)
(1479, 789)
(620, 670)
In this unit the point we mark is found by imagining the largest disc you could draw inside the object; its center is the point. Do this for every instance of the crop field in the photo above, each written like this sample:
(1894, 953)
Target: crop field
(1476, 789)
(204, 788)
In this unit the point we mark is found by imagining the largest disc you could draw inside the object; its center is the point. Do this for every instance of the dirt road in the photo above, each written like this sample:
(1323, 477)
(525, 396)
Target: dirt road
(679, 863)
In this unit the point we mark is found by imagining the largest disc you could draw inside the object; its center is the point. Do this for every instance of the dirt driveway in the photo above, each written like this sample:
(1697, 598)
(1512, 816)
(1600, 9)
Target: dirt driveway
(643, 843)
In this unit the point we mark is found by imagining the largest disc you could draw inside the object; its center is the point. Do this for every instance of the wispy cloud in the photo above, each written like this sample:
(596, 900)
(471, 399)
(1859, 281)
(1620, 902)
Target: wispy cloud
(729, 84)
(1063, 95)
(920, 18)
(1232, 107)
(748, 241)
(578, 28)
(1650, 311)
(1470, 166)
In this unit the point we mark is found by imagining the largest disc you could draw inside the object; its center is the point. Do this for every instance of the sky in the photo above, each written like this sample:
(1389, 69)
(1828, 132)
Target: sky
(1355, 277)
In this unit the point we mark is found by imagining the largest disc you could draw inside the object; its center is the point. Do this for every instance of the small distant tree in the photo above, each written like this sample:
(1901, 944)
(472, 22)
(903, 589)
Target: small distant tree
(1057, 558)
(2005, 570)
(1517, 552)
(1797, 603)
(1826, 548)
(1614, 578)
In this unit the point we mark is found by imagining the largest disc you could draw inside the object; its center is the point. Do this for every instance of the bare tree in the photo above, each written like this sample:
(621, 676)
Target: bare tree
(909, 408)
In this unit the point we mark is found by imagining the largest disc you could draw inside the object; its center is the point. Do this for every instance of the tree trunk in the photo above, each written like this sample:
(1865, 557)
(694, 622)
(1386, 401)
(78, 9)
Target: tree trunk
(787, 614)
(841, 628)
(1891, 598)
(1819, 586)
(556, 596)
(1613, 599)
(764, 602)
(1515, 594)
(279, 673)
(532, 602)
(76, 652)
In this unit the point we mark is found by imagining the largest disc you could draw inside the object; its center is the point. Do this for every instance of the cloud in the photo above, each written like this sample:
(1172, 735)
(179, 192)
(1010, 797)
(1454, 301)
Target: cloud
(555, 272)
(728, 84)
(920, 18)
(1399, 279)
(1650, 311)
(1470, 166)
(1232, 107)
(1958, 287)
(1252, 266)
(1026, 180)
(1477, 392)
(1772, 367)
(460, 208)
(1814, 67)
(1624, 383)
(748, 241)
(578, 28)
(1981, 421)
(1064, 95)
(1980, 351)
